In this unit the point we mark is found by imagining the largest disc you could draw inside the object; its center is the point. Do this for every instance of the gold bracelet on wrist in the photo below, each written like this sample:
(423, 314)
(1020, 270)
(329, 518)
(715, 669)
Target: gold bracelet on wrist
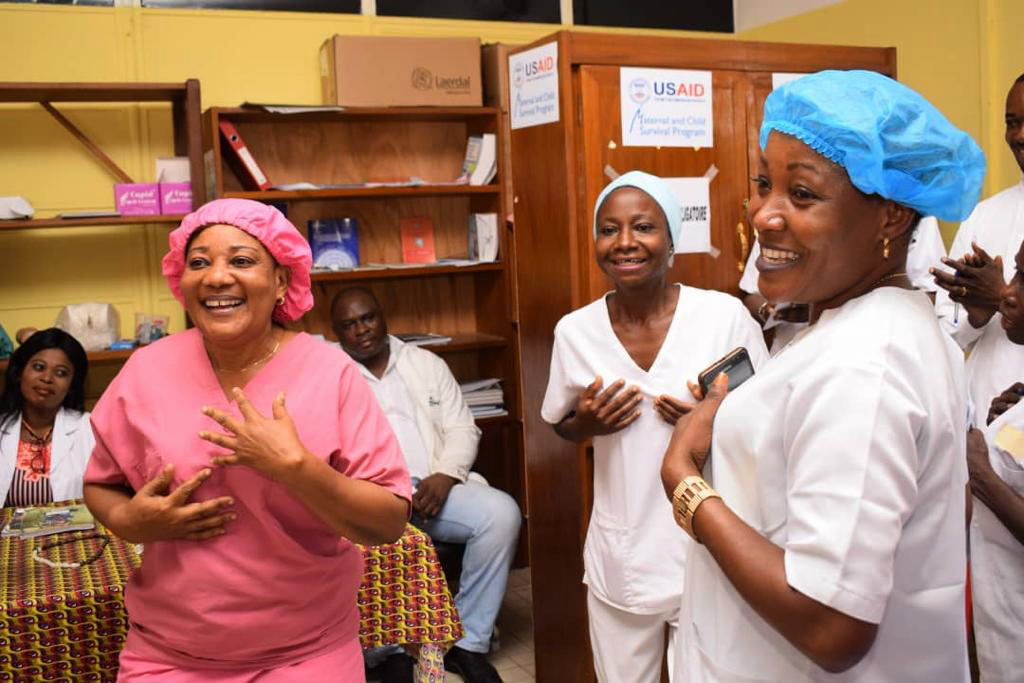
(686, 498)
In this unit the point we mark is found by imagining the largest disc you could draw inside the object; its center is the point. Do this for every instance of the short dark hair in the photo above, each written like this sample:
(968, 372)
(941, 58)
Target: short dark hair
(11, 400)
(349, 291)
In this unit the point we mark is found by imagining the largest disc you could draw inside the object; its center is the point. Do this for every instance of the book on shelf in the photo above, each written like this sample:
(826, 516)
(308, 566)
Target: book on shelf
(483, 237)
(424, 338)
(252, 171)
(480, 164)
(43, 521)
(484, 397)
(334, 243)
(417, 240)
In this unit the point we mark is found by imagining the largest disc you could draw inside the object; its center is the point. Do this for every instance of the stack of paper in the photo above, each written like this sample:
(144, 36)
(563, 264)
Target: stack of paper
(484, 397)
(424, 339)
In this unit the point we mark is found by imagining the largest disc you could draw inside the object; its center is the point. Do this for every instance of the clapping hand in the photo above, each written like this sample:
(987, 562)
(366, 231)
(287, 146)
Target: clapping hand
(976, 285)
(1005, 401)
(153, 514)
(268, 445)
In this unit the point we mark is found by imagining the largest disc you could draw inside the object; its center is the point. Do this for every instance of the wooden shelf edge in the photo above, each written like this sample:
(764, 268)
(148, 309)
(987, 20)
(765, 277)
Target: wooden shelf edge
(421, 113)
(366, 192)
(393, 273)
(91, 92)
(496, 420)
(95, 358)
(36, 223)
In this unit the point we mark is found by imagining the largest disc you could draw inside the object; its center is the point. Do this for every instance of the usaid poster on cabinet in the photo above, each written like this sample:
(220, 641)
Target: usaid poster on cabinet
(533, 86)
(666, 107)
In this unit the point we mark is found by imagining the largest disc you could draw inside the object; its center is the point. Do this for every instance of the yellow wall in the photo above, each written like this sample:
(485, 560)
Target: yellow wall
(237, 56)
(961, 54)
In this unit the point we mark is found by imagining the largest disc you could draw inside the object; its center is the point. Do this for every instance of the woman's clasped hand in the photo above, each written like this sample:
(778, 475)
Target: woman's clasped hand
(160, 512)
(267, 444)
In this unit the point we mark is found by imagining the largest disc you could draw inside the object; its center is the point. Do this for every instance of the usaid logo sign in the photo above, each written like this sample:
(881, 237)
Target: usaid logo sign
(519, 75)
(639, 90)
(672, 89)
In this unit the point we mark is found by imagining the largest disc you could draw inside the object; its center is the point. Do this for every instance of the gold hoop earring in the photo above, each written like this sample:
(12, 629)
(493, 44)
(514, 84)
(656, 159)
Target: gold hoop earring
(280, 301)
(885, 248)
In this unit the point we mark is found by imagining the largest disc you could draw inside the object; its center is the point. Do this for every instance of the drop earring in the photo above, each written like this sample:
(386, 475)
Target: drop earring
(885, 248)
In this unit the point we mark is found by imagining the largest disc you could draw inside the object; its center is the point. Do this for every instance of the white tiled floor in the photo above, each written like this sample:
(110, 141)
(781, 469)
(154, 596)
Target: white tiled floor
(514, 657)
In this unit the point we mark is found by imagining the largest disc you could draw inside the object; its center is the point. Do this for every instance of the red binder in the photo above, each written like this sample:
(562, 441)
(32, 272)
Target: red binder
(248, 164)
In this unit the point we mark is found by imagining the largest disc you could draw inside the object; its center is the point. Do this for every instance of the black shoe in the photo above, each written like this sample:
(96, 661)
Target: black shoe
(472, 666)
(396, 668)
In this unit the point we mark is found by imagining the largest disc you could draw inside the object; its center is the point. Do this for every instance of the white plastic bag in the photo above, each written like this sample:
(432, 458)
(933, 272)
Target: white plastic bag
(95, 325)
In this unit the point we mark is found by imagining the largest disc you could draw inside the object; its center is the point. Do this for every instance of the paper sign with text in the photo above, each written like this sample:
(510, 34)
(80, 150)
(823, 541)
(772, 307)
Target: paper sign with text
(533, 86)
(666, 107)
(694, 197)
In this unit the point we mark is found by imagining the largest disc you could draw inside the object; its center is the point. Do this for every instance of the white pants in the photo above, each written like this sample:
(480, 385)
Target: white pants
(628, 647)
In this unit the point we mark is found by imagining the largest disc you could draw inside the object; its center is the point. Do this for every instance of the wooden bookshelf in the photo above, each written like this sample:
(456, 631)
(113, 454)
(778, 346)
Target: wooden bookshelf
(473, 304)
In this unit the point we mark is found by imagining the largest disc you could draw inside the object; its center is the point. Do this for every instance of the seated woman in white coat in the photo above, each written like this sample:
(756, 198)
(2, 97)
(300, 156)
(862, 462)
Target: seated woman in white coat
(834, 548)
(45, 435)
(618, 371)
(995, 461)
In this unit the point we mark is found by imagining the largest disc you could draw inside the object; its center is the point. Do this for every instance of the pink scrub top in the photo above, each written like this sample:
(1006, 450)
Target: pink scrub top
(280, 586)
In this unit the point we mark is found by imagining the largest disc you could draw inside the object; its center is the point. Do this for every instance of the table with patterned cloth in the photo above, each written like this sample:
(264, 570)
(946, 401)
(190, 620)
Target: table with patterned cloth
(63, 624)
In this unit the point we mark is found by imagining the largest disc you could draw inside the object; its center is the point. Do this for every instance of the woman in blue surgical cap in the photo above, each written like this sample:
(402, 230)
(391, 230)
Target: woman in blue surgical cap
(834, 548)
(618, 372)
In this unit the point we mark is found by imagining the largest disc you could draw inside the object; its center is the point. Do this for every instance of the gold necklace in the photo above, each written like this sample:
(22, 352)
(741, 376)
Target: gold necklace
(890, 276)
(251, 365)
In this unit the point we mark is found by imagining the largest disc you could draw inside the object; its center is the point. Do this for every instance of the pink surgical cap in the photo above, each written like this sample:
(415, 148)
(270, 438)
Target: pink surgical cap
(275, 232)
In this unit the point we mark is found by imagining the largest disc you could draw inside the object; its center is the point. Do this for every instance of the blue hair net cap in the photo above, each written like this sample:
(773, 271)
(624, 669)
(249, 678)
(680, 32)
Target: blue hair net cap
(891, 141)
(659, 191)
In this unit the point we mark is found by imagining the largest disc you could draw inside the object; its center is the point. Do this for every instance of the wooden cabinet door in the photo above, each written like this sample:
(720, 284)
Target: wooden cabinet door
(600, 132)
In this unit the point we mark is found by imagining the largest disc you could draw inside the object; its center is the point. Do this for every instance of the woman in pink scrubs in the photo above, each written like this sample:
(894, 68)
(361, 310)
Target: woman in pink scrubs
(249, 459)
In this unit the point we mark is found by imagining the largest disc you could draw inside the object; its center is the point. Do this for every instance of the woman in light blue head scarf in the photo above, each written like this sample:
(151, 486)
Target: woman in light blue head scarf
(834, 548)
(618, 378)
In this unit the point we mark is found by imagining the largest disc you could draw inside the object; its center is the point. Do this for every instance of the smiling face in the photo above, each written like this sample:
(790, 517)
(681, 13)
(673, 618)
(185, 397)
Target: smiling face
(46, 379)
(359, 324)
(1015, 122)
(633, 244)
(230, 285)
(1011, 303)
(820, 237)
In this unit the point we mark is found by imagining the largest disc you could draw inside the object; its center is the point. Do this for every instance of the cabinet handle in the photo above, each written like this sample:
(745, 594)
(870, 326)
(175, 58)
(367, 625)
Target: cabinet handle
(744, 247)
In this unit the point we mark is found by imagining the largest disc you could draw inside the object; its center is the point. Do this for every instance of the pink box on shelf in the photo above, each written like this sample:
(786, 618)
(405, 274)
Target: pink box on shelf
(175, 197)
(137, 199)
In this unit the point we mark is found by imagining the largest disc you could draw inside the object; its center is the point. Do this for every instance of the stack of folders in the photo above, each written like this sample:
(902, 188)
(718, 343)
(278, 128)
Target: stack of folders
(425, 339)
(484, 397)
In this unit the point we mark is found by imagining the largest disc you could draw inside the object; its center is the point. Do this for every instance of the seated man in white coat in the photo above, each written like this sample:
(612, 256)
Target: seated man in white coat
(439, 438)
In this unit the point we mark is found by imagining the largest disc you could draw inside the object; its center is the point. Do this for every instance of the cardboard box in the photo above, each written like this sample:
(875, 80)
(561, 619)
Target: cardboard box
(137, 199)
(379, 71)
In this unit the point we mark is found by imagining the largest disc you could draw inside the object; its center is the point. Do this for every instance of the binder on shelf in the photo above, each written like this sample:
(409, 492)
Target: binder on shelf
(253, 171)
(417, 240)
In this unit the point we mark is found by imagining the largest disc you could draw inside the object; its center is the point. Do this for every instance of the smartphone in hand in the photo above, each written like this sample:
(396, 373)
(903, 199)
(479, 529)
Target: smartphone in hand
(735, 364)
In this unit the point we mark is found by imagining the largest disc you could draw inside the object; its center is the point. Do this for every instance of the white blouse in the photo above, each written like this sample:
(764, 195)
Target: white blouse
(634, 554)
(997, 568)
(847, 451)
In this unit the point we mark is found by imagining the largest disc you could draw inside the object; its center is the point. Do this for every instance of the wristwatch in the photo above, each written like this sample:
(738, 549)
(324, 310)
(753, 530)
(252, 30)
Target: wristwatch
(687, 497)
